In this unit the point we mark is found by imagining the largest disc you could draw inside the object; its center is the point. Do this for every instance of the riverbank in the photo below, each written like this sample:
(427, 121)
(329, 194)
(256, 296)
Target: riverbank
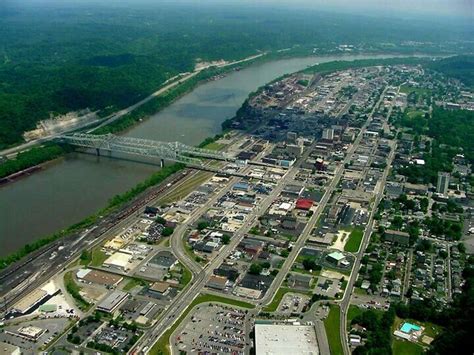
(323, 69)
(156, 102)
(114, 204)
(80, 174)
(31, 158)
(160, 100)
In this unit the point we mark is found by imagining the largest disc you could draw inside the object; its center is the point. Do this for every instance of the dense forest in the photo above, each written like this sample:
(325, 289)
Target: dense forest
(58, 57)
(459, 67)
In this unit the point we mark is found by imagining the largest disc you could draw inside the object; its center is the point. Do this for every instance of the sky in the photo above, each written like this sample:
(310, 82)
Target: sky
(390, 8)
(439, 8)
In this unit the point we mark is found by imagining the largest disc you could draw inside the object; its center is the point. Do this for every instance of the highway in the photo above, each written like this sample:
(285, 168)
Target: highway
(22, 277)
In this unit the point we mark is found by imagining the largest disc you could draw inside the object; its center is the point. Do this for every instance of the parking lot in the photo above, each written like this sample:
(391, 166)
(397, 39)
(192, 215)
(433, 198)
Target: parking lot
(51, 327)
(213, 329)
(293, 303)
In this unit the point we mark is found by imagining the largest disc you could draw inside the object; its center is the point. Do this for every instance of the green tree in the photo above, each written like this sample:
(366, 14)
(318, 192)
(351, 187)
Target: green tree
(255, 269)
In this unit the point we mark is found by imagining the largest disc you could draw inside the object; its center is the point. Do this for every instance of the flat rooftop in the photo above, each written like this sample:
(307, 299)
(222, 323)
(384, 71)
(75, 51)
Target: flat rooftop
(27, 302)
(102, 278)
(112, 301)
(282, 339)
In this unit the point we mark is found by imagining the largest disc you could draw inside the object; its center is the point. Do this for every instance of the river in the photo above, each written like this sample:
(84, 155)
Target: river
(77, 186)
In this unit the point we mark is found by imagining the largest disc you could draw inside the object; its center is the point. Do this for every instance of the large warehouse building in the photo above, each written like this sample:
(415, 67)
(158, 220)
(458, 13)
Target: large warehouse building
(112, 302)
(284, 339)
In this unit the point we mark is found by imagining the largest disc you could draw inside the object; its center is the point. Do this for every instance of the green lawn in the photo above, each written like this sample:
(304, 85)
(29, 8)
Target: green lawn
(133, 282)
(405, 89)
(355, 238)
(359, 291)
(353, 312)
(307, 272)
(186, 187)
(186, 277)
(74, 290)
(403, 347)
(415, 114)
(331, 323)
(161, 347)
(214, 146)
(98, 257)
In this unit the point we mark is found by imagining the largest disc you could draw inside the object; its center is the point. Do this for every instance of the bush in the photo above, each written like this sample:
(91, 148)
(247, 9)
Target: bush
(225, 239)
(202, 225)
(255, 269)
(167, 231)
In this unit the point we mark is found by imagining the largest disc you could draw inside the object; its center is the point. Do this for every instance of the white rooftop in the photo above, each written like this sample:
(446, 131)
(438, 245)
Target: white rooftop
(337, 256)
(282, 339)
(118, 259)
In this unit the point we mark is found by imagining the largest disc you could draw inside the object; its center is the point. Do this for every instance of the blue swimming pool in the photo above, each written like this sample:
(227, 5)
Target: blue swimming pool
(408, 328)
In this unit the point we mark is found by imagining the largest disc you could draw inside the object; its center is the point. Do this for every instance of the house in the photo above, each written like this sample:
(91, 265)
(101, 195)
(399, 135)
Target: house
(151, 211)
(416, 189)
(289, 223)
(217, 282)
(228, 271)
(304, 204)
(397, 237)
(300, 281)
(160, 288)
(252, 247)
(203, 247)
(292, 190)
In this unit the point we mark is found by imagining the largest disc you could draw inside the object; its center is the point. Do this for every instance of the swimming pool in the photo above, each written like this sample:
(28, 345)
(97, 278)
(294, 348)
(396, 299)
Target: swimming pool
(408, 328)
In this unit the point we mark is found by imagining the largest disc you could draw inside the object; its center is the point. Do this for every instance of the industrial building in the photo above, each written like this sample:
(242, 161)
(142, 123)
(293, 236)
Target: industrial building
(10, 349)
(283, 339)
(98, 277)
(112, 302)
(164, 260)
(118, 260)
(337, 258)
(29, 302)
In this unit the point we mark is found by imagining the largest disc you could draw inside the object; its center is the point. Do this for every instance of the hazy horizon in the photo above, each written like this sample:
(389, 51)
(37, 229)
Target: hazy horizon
(394, 8)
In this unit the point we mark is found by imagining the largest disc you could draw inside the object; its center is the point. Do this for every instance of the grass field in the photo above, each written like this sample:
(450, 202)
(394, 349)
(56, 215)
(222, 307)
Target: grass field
(133, 282)
(186, 187)
(161, 347)
(74, 290)
(405, 89)
(353, 312)
(98, 257)
(415, 114)
(403, 347)
(331, 323)
(355, 238)
(214, 146)
(186, 277)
